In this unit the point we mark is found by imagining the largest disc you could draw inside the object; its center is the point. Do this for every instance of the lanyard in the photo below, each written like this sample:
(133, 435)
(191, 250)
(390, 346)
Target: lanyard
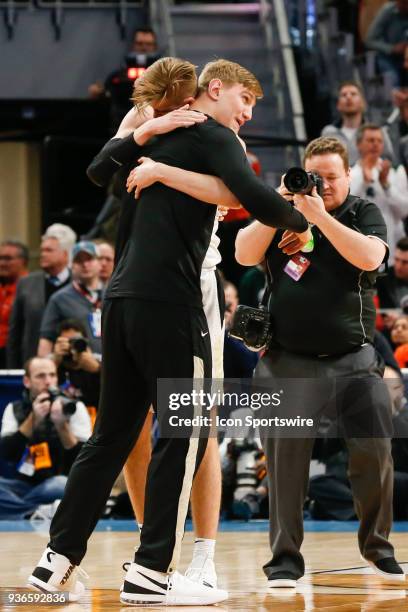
(96, 301)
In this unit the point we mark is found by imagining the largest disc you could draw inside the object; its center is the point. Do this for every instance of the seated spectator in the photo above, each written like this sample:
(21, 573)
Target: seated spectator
(34, 291)
(81, 300)
(399, 337)
(373, 178)
(392, 287)
(106, 258)
(388, 36)
(239, 361)
(351, 106)
(78, 368)
(13, 266)
(41, 435)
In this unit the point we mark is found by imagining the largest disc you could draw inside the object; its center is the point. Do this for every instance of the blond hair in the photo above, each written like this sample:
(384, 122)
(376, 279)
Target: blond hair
(169, 79)
(230, 73)
(325, 146)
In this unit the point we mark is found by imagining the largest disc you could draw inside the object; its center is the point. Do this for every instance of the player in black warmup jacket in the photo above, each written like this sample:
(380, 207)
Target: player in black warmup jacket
(154, 327)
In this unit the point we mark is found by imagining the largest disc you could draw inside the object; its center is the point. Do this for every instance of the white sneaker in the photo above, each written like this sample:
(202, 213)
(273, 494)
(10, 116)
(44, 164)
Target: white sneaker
(142, 587)
(45, 512)
(55, 574)
(202, 571)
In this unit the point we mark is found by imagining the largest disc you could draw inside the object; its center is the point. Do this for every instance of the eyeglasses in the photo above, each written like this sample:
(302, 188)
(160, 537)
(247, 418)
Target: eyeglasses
(9, 257)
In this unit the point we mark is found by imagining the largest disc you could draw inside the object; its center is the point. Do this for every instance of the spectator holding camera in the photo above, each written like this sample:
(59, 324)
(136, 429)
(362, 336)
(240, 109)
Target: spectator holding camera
(78, 368)
(41, 435)
(323, 316)
(81, 299)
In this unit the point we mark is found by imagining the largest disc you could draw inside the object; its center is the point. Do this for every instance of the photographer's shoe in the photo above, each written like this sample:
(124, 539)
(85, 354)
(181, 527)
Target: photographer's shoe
(143, 586)
(55, 574)
(282, 580)
(387, 568)
(202, 571)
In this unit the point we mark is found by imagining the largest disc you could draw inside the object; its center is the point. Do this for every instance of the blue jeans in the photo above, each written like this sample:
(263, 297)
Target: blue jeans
(19, 498)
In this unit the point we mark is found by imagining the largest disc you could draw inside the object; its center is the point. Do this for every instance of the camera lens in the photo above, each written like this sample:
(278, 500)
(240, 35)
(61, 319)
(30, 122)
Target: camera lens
(297, 180)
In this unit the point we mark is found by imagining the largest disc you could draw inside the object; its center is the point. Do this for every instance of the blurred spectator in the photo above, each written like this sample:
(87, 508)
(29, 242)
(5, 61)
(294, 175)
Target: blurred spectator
(34, 291)
(118, 85)
(106, 257)
(41, 435)
(368, 9)
(13, 265)
(81, 299)
(397, 125)
(252, 286)
(239, 361)
(392, 287)
(388, 35)
(374, 179)
(78, 368)
(351, 106)
(399, 337)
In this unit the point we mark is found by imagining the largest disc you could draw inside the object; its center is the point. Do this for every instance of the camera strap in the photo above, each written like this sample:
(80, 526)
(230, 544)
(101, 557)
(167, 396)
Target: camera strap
(264, 303)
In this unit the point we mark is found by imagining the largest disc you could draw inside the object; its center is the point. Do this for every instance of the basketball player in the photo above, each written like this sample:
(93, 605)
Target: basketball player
(154, 300)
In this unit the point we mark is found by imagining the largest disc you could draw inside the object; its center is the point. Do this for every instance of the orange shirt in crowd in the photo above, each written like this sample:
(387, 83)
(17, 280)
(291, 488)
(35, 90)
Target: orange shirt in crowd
(7, 295)
(401, 355)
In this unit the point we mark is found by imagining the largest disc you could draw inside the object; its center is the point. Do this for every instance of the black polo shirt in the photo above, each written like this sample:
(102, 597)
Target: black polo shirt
(170, 231)
(330, 310)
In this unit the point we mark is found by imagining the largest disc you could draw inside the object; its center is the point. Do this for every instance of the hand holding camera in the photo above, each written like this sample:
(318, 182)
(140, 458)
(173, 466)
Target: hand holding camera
(311, 206)
(41, 407)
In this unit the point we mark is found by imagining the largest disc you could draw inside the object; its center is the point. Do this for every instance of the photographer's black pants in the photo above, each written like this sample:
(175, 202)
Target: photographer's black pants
(142, 341)
(370, 461)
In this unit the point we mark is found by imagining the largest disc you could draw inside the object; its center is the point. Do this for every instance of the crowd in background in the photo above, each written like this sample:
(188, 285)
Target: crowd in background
(50, 318)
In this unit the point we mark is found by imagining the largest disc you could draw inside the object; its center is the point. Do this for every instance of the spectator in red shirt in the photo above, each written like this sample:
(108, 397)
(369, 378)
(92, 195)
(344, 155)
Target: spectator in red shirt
(13, 265)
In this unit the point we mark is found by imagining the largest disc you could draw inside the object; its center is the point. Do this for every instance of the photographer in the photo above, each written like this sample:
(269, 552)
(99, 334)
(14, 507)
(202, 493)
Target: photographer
(78, 368)
(119, 84)
(323, 327)
(41, 435)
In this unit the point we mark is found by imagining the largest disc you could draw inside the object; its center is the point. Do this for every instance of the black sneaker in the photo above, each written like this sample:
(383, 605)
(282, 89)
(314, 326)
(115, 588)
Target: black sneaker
(387, 568)
(282, 580)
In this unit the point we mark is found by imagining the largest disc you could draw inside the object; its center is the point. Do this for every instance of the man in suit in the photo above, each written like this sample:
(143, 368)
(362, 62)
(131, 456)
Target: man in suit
(34, 291)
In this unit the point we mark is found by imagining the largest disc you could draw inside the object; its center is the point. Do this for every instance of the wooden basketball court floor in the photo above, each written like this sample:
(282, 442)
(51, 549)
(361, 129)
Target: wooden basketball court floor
(239, 558)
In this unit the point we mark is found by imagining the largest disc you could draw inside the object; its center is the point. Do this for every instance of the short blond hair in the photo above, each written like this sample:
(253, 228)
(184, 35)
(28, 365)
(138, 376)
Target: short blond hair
(169, 79)
(325, 146)
(230, 73)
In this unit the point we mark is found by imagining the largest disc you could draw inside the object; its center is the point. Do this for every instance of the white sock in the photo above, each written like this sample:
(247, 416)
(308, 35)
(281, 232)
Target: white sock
(203, 547)
(140, 525)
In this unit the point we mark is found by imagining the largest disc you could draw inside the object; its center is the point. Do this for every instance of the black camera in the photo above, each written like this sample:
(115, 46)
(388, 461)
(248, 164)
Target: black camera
(79, 345)
(253, 326)
(297, 180)
(140, 60)
(68, 405)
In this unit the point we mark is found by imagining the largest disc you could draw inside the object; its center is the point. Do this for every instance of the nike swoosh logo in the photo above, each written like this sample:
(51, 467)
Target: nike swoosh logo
(203, 334)
(207, 584)
(159, 584)
(49, 556)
